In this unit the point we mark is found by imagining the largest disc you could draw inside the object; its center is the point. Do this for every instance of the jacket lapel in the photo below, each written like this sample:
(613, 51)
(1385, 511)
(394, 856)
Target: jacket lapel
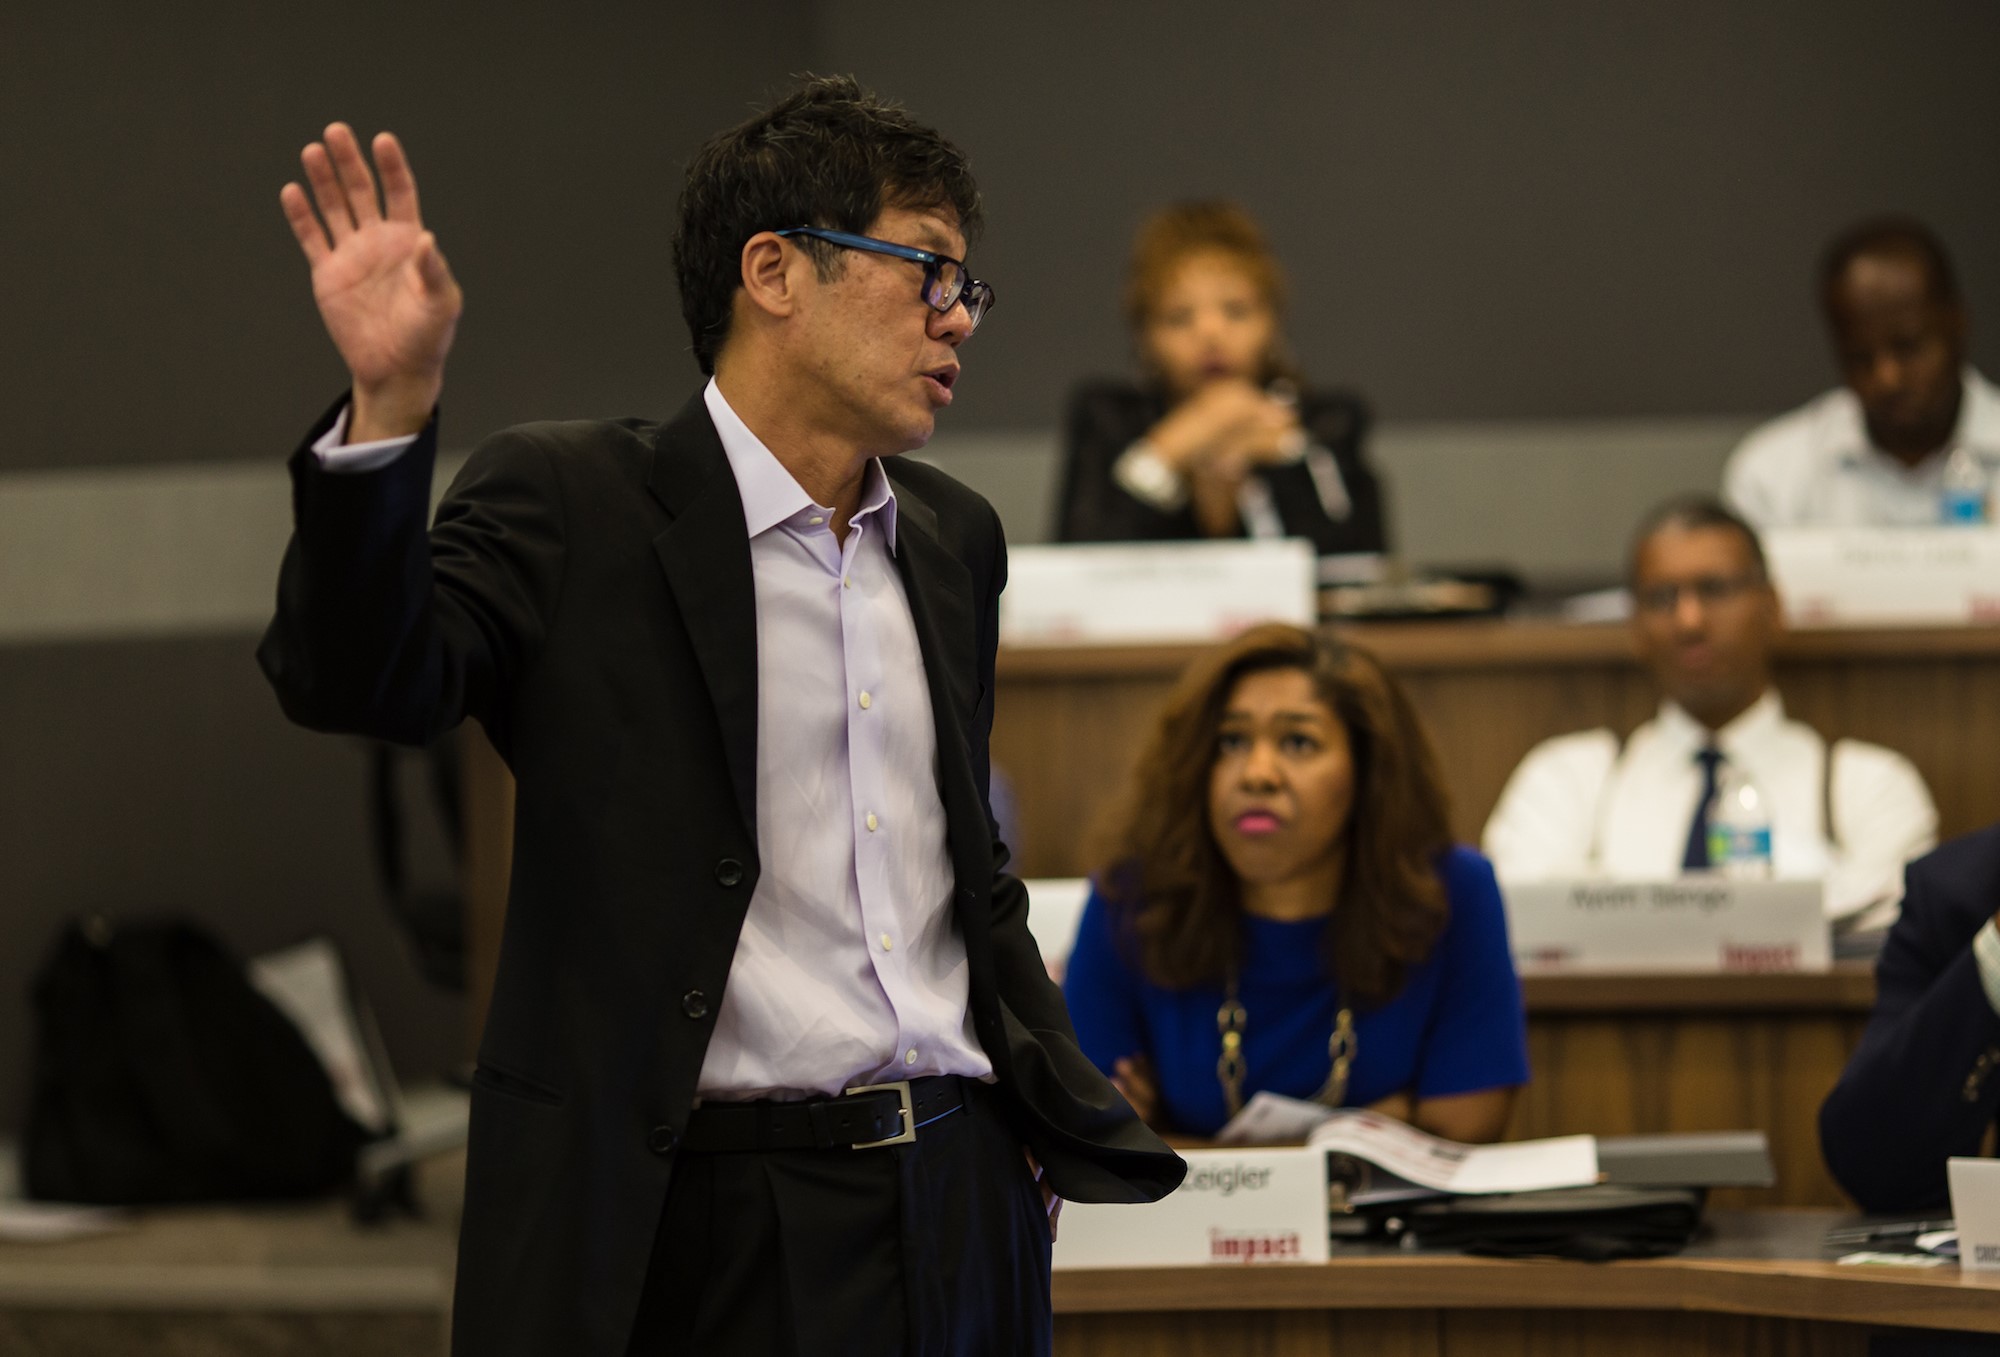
(705, 552)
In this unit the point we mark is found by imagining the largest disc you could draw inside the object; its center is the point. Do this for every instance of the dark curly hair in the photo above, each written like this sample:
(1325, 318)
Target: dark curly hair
(1173, 892)
(829, 154)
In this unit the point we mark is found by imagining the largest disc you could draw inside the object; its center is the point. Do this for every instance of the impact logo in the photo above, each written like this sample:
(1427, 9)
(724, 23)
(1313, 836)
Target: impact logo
(1253, 1248)
(1986, 1255)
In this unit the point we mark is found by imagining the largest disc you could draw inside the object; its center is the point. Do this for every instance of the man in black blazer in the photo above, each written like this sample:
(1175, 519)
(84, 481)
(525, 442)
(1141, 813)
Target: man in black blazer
(712, 939)
(1920, 1087)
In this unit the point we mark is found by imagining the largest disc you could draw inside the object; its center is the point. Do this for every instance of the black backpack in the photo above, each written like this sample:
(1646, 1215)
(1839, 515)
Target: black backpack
(162, 1075)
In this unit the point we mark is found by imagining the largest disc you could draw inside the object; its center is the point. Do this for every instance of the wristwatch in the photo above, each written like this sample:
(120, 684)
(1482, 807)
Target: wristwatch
(1142, 474)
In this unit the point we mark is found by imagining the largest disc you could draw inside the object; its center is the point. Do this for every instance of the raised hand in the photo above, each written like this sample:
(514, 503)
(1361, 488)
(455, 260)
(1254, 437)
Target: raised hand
(384, 291)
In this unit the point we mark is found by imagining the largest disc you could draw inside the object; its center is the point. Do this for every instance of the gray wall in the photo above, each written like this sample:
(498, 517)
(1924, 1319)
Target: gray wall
(157, 306)
(1563, 248)
(1563, 208)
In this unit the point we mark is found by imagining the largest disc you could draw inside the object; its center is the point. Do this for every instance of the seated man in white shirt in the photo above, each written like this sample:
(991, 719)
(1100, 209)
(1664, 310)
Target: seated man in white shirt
(1705, 621)
(1874, 451)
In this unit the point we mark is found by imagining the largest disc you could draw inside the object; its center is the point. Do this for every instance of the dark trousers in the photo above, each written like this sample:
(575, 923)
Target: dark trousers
(934, 1249)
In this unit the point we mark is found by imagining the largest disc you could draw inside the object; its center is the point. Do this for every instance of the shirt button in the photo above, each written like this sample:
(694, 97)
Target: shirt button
(728, 872)
(866, 701)
(886, 943)
(846, 583)
(815, 520)
(695, 1004)
(663, 1140)
(872, 822)
(910, 1056)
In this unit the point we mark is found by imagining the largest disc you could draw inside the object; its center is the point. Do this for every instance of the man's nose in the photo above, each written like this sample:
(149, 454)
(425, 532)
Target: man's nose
(1690, 613)
(1887, 373)
(953, 326)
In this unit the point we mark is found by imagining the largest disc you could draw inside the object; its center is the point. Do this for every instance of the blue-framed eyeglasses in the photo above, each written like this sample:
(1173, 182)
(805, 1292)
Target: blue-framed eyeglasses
(946, 282)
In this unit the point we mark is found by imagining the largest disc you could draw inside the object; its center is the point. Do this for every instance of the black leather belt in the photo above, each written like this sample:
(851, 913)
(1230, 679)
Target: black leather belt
(860, 1119)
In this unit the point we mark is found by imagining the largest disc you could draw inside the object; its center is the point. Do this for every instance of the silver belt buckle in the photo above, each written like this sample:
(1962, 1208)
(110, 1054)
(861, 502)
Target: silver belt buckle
(901, 1088)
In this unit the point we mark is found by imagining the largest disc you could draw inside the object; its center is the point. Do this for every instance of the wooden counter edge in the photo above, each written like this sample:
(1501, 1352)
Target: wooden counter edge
(1489, 644)
(1933, 1299)
(1847, 988)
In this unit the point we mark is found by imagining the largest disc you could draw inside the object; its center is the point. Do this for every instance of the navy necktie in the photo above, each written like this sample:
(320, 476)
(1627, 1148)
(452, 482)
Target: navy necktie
(1696, 856)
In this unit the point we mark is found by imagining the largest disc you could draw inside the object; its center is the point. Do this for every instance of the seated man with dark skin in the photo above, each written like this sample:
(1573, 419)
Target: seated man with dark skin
(1919, 1088)
(1875, 450)
(1706, 622)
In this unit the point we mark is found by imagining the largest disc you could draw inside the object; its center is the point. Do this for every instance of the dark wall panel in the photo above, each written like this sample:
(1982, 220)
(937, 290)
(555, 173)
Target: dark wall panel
(155, 305)
(1563, 208)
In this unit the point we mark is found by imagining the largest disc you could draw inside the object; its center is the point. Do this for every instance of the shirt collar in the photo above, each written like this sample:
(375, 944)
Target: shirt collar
(1978, 428)
(772, 495)
(1758, 720)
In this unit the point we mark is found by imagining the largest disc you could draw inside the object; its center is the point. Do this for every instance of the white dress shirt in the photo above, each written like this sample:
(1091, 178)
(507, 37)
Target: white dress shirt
(1815, 467)
(850, 968)
(1580, 806)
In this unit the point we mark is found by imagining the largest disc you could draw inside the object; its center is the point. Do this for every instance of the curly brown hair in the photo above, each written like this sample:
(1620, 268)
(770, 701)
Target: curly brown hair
(1172, 890)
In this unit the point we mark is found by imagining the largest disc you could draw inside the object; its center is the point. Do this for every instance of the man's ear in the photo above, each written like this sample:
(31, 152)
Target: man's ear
(773, 274)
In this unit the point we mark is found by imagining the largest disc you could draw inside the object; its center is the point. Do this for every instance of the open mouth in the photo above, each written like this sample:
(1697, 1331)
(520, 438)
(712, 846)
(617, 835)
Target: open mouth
(942, 381)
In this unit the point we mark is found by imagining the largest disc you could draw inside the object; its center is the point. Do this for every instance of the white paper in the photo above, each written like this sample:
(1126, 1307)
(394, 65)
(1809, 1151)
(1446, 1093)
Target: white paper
(1975, 1209)
(1447, 1166)
(308, 985)
(1273, 1119)
(1055, 906)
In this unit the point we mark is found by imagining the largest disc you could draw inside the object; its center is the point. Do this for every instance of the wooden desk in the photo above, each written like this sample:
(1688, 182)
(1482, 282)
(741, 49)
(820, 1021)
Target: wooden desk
(1069, 722)
(1636, 1055)
(1761, 1284)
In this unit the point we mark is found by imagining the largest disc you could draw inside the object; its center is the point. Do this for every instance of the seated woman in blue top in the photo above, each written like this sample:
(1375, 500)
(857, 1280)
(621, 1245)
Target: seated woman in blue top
(1285, 910)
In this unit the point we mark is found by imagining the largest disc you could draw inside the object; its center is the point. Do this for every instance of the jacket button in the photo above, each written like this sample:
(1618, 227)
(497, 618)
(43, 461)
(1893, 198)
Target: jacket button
(663, 1140)
(695, 1004)
(728, 872)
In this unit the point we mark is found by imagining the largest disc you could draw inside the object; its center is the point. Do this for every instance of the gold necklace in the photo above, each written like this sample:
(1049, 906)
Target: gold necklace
(1230, 1020)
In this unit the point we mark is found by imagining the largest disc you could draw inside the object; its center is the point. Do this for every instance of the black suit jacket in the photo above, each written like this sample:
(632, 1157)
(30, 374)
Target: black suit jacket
(1920, 1087)
(1106, 418)
(586, 594)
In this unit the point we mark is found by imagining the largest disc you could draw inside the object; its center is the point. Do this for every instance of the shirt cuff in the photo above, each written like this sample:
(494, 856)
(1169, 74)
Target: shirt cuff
(1986, 952)
(1141, 474)
(341, 457)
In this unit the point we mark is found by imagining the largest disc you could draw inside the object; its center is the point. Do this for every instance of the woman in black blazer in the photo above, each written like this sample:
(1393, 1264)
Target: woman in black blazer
(1220, 440)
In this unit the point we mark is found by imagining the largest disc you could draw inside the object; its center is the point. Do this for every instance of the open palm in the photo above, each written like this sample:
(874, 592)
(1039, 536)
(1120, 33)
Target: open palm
(384, 291)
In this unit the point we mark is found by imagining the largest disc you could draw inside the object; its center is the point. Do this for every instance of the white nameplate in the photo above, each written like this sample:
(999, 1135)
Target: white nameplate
(1172, 591)
(1236, 1207)
(1692, 924)
(1975, 1209)
(1872, 576)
